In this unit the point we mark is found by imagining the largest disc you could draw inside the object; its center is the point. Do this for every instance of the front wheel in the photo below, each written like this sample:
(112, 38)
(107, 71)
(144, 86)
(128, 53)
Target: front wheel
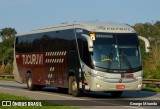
(30, 84)
(74, 87)
(116, 94)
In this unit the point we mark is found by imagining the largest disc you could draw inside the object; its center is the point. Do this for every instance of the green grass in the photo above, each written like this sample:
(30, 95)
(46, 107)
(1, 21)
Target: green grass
(4, 96)
(151, 89)
(7, 79)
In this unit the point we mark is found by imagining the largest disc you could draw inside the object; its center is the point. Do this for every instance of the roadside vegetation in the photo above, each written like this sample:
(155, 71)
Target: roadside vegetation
(47, 105)
(6, 50)
(151, 88)
(151, 61)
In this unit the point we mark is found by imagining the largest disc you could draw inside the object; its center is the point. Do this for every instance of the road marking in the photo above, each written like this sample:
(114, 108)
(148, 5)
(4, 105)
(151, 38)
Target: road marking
(72, 98)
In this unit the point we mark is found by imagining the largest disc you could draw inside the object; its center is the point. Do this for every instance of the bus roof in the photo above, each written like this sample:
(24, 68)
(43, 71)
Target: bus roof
(93, 26)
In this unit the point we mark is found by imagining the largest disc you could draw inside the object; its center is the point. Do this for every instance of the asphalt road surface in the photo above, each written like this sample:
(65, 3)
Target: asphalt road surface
(89, 100)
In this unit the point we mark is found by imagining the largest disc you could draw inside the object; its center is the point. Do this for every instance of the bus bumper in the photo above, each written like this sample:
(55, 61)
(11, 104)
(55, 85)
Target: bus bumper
(101, 85)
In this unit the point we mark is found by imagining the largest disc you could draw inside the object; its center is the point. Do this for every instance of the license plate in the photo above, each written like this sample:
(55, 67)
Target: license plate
(120, 87)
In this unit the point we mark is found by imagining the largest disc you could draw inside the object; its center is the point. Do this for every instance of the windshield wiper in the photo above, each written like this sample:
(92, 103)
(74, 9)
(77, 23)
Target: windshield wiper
(127, 62)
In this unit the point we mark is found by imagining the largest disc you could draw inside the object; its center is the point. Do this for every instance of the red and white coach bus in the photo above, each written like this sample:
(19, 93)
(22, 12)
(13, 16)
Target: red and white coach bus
(78, 56)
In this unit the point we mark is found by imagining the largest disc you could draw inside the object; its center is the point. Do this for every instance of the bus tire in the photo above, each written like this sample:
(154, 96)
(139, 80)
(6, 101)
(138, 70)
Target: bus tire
(74, 87)
(30, 84)
(116, 94)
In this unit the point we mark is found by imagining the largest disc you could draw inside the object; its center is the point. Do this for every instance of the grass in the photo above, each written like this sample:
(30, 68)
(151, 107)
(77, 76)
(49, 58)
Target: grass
(47, 105)
(151, 88)
(7, 79)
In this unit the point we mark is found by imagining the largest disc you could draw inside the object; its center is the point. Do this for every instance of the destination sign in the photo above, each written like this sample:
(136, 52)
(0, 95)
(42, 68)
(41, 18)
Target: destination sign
(112, 28)
(104, 36)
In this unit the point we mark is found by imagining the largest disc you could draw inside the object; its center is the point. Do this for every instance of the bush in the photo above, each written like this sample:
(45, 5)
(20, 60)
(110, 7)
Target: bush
(8, 68)
(151, 64)
(2, 69)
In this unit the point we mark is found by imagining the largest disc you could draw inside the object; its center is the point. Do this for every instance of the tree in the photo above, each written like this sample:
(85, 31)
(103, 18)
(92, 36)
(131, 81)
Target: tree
(151, 61)
(7, 33)
(6, 48)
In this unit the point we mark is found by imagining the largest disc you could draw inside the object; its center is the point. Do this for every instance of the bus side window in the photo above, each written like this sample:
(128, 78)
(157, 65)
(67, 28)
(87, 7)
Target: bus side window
(83, 50)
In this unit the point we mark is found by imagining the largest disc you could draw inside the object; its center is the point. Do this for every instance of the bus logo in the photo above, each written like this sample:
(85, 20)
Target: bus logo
(30, 59)
(79, 31)
(120, 81)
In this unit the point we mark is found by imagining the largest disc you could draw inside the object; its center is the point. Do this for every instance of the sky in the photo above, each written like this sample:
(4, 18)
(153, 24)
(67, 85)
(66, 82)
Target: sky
(26, 15)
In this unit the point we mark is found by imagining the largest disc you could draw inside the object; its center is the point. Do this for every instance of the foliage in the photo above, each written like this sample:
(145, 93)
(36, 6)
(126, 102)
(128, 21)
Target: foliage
(152, 89)
(2, 69)
(6, 49)
(8, 68)
(7, 33)
(151, 61)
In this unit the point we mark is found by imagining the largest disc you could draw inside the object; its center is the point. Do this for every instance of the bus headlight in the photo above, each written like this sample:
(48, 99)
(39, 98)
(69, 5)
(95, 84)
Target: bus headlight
(139, 77)
(140, 85)
(98, 77)
(95, 72)
(98, 85)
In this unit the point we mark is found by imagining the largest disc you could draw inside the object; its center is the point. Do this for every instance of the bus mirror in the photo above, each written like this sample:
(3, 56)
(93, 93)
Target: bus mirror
(89, 41)
(147, 44)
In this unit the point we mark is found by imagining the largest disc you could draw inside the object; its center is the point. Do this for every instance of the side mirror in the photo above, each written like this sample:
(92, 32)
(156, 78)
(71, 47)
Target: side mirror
(90, 42)
(147, 44)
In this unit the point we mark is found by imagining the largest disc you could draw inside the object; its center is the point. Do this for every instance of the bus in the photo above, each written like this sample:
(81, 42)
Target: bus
(80, 56)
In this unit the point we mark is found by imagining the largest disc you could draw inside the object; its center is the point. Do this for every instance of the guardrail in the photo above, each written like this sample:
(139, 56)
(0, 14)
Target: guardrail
(6, 76)
(151, 81)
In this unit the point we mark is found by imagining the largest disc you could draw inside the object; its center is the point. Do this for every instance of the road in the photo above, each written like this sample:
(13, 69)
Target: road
(90, 100)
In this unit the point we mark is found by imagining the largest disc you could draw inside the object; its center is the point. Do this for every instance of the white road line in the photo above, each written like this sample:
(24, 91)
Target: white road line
(112, 104)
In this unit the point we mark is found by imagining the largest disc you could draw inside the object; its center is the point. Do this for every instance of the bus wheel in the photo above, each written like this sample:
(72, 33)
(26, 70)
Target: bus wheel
(74, 87)
(30, 85)
(116, 94)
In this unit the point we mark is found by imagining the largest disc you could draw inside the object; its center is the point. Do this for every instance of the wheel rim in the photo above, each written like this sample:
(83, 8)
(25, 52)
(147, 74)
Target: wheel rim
(74, 86)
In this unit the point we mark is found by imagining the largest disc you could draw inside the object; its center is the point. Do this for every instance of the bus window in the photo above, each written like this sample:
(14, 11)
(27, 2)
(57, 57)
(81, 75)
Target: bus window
(83, 50)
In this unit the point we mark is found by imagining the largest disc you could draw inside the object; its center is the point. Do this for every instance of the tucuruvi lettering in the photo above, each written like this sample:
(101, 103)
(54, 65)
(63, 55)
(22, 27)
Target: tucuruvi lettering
(32, 59)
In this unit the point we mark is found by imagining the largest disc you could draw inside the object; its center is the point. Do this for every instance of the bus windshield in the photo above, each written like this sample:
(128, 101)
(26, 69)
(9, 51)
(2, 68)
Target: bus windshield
(117, 52)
